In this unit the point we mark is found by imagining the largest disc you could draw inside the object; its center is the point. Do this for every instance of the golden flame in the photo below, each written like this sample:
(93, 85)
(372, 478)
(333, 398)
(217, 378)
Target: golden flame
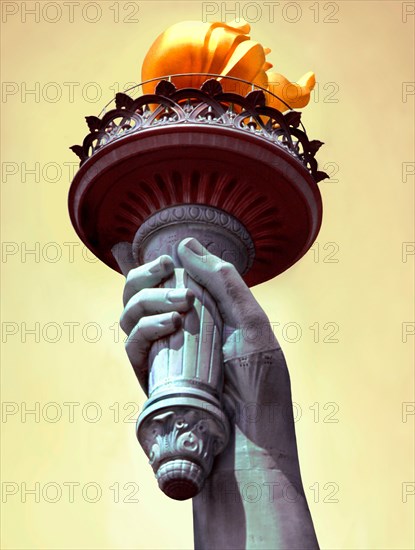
(225, 49)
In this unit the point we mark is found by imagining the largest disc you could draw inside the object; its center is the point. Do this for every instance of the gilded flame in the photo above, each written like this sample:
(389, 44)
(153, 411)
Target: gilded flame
(225, 49)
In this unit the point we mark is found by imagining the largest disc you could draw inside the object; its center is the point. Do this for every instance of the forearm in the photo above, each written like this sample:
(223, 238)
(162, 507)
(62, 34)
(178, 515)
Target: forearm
(254, 497)
(252, 509)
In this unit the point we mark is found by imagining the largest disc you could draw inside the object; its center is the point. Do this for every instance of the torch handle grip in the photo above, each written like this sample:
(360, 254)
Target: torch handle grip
(182, 426)
(191, 357)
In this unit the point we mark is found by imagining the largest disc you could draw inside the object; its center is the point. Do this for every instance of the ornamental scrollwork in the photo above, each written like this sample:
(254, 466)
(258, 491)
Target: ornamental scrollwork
(209, 105)
(186, 433)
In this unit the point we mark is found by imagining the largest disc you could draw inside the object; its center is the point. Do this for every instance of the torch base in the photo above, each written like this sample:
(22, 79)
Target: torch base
(180, 479)
(181, 436)
(253, 180)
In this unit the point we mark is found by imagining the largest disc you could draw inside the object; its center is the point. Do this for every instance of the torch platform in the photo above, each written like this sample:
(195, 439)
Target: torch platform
(199, 146)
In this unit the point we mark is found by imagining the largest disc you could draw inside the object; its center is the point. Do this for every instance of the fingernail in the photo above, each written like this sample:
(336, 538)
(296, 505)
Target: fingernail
(162, 265)
(176, 319)
(177, 295)
(194, 246)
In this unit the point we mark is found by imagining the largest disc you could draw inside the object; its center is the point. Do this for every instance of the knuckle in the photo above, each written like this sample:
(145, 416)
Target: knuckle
(141, 296)
(224, 269)
(136, 303)
(133, 310)
(123, 321)
(166, 262)
(136, 337)
(141, 327)
(132, 275)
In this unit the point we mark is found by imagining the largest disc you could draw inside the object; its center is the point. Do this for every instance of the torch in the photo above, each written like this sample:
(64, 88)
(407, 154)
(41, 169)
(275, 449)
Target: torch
(211, 163)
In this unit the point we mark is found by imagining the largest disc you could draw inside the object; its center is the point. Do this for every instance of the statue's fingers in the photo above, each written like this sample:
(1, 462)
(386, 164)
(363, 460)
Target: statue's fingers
(152, 301)
(147, 276)
(236, 303)
(148, 330)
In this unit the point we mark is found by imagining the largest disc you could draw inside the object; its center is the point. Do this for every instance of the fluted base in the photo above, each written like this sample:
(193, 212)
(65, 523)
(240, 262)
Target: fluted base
(260, 184)
(180, 479)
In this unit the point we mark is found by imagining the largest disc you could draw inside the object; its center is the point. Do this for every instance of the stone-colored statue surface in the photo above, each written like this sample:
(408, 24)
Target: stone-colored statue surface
(254, 497)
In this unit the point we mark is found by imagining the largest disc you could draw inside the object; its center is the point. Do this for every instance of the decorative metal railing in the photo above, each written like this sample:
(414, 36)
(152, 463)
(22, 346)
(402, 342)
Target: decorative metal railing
(208, 105)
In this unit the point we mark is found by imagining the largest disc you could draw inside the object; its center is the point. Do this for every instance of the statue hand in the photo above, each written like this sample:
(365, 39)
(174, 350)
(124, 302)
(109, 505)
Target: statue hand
(257, 392)
(246, 326)
(255, 370)
(149, 313)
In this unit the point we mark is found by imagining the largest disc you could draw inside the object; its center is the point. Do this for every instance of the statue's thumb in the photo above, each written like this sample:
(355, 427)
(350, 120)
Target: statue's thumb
(204, 268)
(198, 262)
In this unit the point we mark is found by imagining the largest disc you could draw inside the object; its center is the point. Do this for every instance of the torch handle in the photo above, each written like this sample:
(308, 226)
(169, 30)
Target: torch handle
(193, 355)
(182, 426)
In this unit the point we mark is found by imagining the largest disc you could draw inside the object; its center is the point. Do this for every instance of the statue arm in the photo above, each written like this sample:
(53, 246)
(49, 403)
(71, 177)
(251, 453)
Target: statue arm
(254, 498)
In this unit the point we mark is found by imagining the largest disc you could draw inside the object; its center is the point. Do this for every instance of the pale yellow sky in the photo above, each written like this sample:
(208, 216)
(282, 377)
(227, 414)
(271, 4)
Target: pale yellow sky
(352, 373)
